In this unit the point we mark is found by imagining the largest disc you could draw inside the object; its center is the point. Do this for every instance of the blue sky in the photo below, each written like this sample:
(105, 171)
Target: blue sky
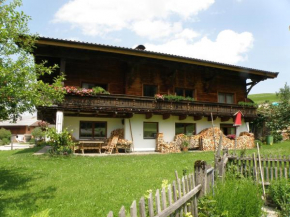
(250, 33)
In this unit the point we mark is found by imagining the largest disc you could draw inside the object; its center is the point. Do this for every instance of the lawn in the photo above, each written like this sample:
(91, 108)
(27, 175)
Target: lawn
(262, 97)
(88, 186)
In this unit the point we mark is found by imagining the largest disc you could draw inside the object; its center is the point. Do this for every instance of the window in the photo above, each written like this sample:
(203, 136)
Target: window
(226, 98)
(150, 130)
(184, 92)
(149, 90)
(92, 85)
(228, 129)
(93, 129)
(185, 128)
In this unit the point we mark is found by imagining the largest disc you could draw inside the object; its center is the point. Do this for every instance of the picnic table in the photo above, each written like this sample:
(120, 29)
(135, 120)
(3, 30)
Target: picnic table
(90, 145)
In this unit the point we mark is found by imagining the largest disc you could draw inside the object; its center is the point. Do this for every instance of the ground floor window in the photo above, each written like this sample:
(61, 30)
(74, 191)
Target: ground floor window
(228, 129)
(150, 130)
(89, 129)
(185, 128)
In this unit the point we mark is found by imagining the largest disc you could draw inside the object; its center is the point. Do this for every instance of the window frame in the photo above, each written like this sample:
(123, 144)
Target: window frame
(157, 123)
(184, 90)
(228, 126)
(93, 130)
(225, 97)
(184, 127)
(96, 84)
(143, 86)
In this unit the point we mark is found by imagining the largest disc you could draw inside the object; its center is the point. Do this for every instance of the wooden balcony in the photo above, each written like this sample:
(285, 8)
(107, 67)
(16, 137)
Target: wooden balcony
(120, 105)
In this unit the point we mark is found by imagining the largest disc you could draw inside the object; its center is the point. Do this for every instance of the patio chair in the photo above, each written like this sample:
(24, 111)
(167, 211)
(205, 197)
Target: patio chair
(111, 145)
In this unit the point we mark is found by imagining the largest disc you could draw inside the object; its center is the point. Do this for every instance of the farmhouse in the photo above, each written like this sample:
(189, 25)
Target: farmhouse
(150, 92)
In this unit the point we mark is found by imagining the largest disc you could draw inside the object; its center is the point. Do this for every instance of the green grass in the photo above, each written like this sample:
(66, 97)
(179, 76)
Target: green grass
(88, 186)
(260, 98)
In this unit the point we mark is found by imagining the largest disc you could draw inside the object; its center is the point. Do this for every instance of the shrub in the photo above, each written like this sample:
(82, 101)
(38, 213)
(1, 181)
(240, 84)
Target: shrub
(38, 133)
(61, 142)
(234, 197)
(279, 192)
(5, 136)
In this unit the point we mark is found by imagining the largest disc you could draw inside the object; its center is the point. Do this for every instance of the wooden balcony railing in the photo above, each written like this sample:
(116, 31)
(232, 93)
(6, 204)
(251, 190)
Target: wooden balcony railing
(134, 104)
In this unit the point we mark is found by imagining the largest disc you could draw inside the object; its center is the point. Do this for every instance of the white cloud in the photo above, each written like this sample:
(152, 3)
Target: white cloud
(187, 34)
(156, 29)
(229, 47)
(101, 17)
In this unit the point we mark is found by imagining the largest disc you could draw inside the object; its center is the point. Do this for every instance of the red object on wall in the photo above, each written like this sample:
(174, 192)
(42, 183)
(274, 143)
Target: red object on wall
(238, 119)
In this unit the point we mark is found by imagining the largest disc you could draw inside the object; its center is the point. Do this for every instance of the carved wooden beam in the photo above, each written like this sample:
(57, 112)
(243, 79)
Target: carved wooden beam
(165, 116)
(197, 118)
(214, 117)
(148, 115)
(182, 117)
(224, 119)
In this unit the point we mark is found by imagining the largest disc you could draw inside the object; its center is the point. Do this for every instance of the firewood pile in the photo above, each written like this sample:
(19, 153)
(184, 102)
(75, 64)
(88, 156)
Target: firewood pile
(193, 141)
(122, 143)
(245, 140)
(165, 147)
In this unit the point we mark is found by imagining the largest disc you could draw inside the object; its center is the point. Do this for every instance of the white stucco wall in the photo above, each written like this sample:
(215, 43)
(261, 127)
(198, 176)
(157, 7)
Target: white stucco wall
(73, 123)
(167, 127)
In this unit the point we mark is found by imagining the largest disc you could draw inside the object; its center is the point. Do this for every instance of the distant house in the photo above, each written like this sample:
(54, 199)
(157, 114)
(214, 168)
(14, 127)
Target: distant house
(137, 81)
(21, 130)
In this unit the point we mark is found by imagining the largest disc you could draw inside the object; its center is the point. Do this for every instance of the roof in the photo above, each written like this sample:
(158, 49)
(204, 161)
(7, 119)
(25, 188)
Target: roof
(151, 54)
(25, 121)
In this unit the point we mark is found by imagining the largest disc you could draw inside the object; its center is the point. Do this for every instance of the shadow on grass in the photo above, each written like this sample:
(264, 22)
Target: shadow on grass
(29, 150)
(15, 191)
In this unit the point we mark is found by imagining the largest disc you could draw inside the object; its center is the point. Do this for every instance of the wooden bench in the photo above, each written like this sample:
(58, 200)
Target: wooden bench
(90, 145)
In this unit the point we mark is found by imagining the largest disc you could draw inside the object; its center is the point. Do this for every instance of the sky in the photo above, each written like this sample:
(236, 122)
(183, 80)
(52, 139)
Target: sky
(249, 33)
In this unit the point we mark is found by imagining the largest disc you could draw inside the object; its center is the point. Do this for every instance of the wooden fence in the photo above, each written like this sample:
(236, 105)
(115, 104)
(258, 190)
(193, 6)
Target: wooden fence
(177, 199)
(272, 167)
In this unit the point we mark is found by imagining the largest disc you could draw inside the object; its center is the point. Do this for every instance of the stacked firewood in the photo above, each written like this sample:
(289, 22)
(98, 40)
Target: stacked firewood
(193, 140)
(165, 147)
(122, 143)
(210, 139)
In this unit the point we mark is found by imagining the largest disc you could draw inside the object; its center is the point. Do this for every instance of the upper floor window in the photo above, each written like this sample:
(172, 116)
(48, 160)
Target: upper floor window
(185, 128)
(89, 129)
(226, 98)
(149, 90)
(92, 85)
(184, 92)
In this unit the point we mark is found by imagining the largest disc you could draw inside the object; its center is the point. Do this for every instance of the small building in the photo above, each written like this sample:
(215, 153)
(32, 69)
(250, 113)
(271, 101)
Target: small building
(150, 92)
(21, 130)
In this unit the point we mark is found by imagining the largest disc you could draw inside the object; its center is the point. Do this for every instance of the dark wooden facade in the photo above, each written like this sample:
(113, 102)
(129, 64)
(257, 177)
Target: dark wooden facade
(125, 71)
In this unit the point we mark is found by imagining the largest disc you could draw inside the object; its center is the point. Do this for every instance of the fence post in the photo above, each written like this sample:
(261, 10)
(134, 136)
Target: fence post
(200, 168)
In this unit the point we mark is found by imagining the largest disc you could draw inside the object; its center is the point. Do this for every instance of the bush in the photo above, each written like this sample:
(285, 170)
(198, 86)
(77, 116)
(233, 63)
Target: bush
(234, 197)
(5, 134)
(279, 192)
(38, 133)
(5, 141)
(61, 142)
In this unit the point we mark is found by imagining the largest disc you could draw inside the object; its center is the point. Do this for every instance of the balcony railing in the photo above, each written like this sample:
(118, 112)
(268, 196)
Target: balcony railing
(134, 104)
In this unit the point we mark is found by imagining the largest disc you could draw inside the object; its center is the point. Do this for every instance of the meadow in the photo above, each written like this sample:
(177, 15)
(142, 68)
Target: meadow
(89, 186)
(262, 97)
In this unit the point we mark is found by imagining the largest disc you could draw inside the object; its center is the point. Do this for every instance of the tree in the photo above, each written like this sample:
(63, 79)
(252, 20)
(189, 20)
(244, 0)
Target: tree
(275, 118)
(21, 89)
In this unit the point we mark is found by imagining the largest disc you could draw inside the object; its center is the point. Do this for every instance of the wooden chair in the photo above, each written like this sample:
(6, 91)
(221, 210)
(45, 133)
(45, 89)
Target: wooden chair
(111, 145)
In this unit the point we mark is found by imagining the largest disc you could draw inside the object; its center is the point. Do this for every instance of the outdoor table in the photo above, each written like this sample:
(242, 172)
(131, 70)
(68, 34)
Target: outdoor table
(91, 144)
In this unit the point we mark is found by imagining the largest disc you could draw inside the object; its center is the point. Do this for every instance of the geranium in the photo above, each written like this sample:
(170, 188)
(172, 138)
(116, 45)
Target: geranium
(231, 136)
(159, 96)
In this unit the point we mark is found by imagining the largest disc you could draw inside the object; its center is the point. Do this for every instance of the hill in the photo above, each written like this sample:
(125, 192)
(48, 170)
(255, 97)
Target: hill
(262, 97)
